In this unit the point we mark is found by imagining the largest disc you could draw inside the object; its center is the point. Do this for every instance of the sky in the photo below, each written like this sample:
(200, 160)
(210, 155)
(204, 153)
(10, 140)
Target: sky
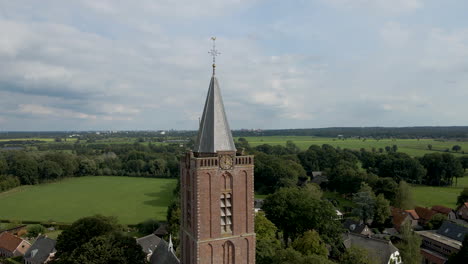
(144, 65)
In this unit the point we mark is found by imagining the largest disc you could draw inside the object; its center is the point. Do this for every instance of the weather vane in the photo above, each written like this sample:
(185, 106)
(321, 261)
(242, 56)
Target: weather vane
(214, 52)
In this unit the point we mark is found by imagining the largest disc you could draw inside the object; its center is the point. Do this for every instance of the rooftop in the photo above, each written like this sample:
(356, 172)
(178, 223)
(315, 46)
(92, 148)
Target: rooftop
(40, 251)
(9, 241)
(431, 234)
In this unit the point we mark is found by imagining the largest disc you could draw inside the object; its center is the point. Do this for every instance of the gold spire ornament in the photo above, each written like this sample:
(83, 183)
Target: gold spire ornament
(214, 52)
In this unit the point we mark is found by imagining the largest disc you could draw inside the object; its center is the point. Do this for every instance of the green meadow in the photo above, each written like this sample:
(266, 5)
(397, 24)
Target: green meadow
(412, 147)
(131, 200)
(428, 196)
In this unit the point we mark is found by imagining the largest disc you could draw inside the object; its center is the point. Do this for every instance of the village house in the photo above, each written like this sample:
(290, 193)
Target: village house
(381, 251)
(438, 245)
(164, 253)
(42, 251)
(414, 217)
(357, 227)
(462, 211)
(148, 244)
(401, 217)
(445, 211)
(12, 246)
(425, 214)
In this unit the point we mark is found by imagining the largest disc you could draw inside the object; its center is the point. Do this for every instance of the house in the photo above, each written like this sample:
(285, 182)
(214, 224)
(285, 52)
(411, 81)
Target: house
(42, 251)
(258, 203)
(414, 217)
(161, 231)
(462, 211)
(438, 245)
(445, 211)
(148, 244)
(357, 227)
(15, 230)
(318, 177)
(400, 217)
(164, 254)
(380, 250)
(339, 215)
(12, 246)
(425, 214)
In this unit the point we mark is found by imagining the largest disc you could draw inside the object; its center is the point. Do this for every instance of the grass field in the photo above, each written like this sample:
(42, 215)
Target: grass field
(413, 147)
(428, 196)
(132, 200)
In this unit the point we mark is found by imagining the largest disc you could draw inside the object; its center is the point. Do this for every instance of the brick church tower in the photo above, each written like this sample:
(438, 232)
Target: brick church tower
(217, 224)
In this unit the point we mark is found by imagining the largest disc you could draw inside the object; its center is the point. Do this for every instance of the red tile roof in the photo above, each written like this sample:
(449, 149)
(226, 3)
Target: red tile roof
(9, 241)
(441, 209)
(398, 217)
(413, 214)
(425, 213)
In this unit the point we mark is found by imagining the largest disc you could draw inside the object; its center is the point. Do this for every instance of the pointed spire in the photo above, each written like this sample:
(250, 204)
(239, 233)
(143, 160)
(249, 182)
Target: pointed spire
(171, 246)
(214, 133)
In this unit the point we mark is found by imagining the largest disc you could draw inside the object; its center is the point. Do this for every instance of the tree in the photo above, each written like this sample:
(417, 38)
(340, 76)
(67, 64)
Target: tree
(382, 210)
(441, 168)
(463, 161)
(429, 147)
(394, 148)
(290, 256)
(436, 221)
(456, 148)
(386, 186)
(462, 255)
(309, 244)
(463, 197)
(111, 248)
(87, 167)
(82, 231)
(25, 167)
(365, 203)
(404, 197)
(267, 245)
(410, 245)
(3, 166)
(148, 227)
(35, 230)
(50, 170)
(296, 210)
(345, 177)
(355, 255)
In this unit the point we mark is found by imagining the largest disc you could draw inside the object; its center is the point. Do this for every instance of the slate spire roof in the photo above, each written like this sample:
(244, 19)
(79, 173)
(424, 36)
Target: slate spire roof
(214, 133)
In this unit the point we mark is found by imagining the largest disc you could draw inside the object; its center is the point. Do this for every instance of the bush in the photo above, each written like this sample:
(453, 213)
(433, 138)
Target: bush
(147, 227)
(35, 230)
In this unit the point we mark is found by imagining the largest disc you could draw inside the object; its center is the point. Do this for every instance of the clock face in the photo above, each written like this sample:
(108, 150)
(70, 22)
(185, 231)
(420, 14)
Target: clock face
(226, 162)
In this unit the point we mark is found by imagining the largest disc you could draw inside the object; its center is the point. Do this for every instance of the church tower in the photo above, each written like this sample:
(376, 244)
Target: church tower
(217, 224)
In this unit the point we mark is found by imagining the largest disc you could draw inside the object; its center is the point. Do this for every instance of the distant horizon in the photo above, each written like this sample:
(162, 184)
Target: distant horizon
(240, 129)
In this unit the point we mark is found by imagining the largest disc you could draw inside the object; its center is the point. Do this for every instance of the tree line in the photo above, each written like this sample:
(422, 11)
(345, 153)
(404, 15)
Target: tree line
(135, 160)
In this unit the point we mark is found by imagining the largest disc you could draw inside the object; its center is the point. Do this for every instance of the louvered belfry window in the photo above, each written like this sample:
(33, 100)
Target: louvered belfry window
(226, 213)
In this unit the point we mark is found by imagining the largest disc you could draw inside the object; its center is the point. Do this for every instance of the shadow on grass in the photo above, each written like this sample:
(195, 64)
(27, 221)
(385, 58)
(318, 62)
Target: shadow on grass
(162, 197)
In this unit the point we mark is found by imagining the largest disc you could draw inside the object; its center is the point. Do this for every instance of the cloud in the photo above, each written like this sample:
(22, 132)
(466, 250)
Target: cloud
(380, 6)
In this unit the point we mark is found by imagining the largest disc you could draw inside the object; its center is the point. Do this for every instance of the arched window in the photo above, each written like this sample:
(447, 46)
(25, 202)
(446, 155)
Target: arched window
(228, 253)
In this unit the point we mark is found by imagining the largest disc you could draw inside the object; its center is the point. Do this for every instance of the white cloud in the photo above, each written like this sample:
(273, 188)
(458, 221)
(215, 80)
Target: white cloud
(380, 6)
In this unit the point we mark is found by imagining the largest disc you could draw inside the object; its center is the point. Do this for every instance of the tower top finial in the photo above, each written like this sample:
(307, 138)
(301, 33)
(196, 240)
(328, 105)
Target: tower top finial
(214, 52)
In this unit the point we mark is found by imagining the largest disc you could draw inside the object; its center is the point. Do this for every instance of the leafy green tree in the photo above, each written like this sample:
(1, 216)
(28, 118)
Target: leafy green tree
(441, 168)
(381, 210)
(410, 245)
(404, 196)
(310, 243)
(296, 210)
(345, 177)
(87, 167)
(456, 148)
(50, 170)
(463, 197)
(386, 186)
(25, 167)
(267, 245)
(35, 230)
(462, 255)
(291, 147)
(111, 248)
(3, 166)
(82, 231)
(429, 147)
(355, 255)
(463, 161)
(272, 173)
(365, 203)
(436, 221)
(290, 256)
(148, 227)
